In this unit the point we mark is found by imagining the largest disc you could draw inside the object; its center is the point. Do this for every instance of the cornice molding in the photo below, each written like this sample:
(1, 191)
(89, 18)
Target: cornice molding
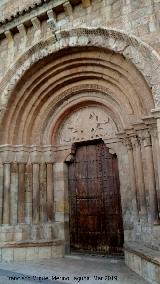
(38, 8)
(24, 10)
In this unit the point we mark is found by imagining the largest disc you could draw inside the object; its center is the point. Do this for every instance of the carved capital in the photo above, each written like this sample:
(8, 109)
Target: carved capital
(48, 154)
(153, 132)
(34, 155)
(127, 142)
(7, 154)
(22, 154)
(135, 142)
(146, 138)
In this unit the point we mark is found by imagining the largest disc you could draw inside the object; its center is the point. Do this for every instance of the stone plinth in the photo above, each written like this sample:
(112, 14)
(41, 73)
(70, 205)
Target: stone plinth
(143, 260)
(25, 251)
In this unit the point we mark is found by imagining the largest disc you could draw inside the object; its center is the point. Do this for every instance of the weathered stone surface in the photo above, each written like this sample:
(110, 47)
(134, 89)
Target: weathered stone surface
(74, 129)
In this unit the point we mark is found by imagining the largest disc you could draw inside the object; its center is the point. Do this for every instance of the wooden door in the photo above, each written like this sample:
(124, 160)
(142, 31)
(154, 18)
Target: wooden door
(95, 208)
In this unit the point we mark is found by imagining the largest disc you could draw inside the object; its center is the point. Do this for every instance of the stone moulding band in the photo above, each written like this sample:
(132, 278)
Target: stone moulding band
(23, 244)
(24, 154)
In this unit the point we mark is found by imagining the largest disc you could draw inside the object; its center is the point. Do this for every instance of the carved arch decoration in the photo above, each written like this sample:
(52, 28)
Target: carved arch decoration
(96, 64)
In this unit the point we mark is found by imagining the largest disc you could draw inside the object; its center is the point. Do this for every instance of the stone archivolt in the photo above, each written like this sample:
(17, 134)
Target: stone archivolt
(143, 56)
(54, 80)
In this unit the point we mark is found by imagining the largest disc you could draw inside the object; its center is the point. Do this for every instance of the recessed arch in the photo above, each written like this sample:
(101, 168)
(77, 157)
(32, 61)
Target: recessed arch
(55, 79)
(138, 52)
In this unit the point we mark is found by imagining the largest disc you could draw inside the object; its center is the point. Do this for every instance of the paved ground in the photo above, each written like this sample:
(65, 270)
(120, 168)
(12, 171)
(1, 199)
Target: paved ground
(71, 269)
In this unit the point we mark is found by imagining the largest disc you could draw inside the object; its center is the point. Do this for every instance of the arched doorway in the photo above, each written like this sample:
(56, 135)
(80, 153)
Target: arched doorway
(94, 200)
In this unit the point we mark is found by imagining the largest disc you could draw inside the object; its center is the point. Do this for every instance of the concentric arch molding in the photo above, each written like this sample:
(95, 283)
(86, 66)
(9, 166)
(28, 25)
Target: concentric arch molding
(143, 56)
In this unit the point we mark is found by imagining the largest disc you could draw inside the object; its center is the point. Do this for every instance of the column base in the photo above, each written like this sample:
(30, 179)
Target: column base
(143, 260)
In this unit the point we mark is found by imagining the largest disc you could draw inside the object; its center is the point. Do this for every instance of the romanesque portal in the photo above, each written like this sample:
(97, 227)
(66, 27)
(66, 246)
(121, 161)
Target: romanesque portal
(100, 97)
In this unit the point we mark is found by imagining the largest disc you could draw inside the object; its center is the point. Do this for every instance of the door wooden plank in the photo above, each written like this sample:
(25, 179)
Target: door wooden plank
(95, 208)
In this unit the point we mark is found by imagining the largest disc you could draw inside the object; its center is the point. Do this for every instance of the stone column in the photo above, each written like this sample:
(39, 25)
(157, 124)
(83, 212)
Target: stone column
(43, 192)
(151, 183)
(14, 194)
(157, 157)
(140, 177)
(36, 194)
(28, 193)
(61, 197)
(6, 200)
(24, 212)
(156, 115)
(158, 128)
(132, 178)
(21, 193)
(158, 152)
(1, 192)
(50, 192)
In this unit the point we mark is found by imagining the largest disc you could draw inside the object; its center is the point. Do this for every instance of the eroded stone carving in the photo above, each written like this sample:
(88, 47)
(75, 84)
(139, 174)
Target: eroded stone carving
(85, 124)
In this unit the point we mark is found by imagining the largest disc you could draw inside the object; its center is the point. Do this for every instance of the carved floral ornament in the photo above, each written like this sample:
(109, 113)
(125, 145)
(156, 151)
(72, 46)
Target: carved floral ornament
(85, 124)
(144, 57)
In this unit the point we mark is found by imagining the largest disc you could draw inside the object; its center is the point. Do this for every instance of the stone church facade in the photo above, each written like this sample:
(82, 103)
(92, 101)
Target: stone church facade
(75, 73)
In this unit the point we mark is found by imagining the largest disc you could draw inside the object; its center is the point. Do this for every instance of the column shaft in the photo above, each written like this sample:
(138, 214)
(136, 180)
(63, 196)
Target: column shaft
(14, 194)
(140, 181)
(21, 193)
(133, 182)
(43, 191)
(28, 193)
(158, 170)
(153, 205)
(6, 195)
(50, 192)
(158, 148)
(36, 194)
(1, 192)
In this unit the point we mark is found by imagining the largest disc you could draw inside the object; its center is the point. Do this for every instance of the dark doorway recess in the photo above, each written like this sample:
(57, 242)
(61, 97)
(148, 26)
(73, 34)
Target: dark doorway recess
(95, 207)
